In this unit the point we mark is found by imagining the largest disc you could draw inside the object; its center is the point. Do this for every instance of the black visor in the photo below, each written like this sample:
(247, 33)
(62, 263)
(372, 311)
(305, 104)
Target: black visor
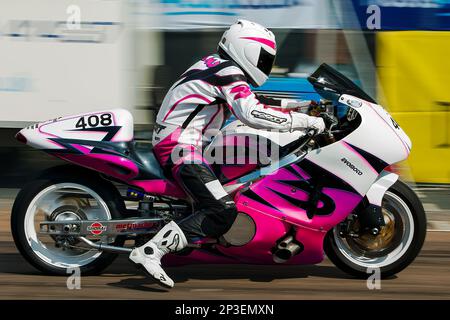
(265, 61)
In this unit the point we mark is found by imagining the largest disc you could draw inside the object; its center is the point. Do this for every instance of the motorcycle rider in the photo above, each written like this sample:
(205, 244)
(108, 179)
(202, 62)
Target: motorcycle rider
(202, 99)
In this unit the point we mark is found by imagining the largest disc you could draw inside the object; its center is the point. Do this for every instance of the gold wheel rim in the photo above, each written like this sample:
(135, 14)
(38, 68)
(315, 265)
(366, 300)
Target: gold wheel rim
(382, 240)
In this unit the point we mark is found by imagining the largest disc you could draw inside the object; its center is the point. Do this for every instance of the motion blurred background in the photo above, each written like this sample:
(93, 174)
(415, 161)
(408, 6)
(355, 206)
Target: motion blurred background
(62, 57)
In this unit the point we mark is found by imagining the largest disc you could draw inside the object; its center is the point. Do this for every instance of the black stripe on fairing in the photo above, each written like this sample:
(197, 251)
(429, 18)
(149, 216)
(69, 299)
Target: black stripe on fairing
(103, 147)
(329, 180)
(68, 148)
(111, 131)
(374, 161)
(298, 184)
(293, 171)
(327, 208)
(209, 75)
(252, 195)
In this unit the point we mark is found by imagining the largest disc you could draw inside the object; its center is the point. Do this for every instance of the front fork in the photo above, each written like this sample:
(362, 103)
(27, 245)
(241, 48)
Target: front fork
(368, 215)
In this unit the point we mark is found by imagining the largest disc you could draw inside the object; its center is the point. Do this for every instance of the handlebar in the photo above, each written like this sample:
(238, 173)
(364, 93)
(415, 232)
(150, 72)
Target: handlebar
(310, 134)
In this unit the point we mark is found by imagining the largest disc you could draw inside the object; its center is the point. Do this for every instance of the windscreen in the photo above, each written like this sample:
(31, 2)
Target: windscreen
(325, 78)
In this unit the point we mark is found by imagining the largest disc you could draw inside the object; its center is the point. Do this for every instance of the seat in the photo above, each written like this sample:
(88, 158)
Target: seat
(142, 154)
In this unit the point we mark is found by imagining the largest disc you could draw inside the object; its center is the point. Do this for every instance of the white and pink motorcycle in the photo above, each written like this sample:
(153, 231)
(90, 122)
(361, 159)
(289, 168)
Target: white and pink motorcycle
(325, 193)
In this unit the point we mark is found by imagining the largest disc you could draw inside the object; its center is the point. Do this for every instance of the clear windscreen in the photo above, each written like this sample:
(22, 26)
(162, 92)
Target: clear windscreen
(330, 83)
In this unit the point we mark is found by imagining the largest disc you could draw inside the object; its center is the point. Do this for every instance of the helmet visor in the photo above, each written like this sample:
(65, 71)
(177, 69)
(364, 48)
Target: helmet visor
(265, 61)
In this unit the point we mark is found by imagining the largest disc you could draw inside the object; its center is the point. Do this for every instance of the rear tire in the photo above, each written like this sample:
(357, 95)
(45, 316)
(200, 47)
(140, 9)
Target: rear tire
(345, 260)
(60, 176)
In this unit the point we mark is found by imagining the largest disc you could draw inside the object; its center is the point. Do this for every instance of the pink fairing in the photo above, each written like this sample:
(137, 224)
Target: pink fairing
(274, 223)
(267, 42)
(160, 187)
(301, 172)
(233, 171)
(81, 148)
(112, 165)
(266, 188)
(268, 231)
(125, 170)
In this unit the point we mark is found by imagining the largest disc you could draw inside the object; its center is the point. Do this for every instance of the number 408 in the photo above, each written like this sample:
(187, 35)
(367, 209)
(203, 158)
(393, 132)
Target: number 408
(93, 121)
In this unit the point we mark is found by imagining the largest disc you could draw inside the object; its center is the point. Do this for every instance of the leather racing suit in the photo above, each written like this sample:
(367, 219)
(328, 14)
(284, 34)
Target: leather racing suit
(201, 100)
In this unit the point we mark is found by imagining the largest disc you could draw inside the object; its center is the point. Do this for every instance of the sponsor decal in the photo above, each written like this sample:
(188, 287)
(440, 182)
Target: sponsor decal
(96, 228)
(133, 226)
(352, 166)
(268, 117)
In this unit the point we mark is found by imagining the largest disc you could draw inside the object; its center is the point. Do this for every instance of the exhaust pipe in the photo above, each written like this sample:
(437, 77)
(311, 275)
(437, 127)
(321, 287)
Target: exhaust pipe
(286, 249)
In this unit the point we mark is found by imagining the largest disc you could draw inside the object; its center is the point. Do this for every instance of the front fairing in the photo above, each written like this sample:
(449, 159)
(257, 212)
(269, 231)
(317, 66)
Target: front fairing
(378, 133)
(360, 157)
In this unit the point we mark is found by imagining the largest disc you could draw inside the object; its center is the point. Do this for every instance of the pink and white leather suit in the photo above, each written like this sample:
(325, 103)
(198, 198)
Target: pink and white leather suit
(197, 104)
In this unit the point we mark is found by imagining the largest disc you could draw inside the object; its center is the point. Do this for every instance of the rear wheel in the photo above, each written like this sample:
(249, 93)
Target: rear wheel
(61, 196)
(394, 248)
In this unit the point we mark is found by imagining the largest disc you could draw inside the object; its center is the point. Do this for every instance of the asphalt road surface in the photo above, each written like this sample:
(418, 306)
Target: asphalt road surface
(427, 278)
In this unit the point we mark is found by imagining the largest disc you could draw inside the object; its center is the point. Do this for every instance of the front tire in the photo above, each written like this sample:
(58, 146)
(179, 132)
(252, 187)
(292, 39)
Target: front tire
(394, 248)
(41, 252)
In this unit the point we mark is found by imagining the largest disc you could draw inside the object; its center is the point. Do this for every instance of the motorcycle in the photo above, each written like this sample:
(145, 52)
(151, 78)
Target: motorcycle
(327, 193)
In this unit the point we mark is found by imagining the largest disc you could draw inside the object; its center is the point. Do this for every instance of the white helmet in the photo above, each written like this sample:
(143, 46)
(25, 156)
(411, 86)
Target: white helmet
(252, 47)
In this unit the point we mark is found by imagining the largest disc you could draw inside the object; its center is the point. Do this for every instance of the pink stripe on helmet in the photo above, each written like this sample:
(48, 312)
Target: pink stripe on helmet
(267, 42)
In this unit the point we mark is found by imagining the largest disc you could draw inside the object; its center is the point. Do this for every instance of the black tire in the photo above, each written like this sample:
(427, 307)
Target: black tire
(68, 174)
(420, 224)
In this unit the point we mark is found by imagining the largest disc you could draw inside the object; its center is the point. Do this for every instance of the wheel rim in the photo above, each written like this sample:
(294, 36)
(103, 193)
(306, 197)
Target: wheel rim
(88, 204)
(389, 245)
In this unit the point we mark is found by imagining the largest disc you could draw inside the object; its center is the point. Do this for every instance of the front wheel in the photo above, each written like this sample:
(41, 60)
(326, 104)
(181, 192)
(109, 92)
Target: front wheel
(63, 196)
(394, 248)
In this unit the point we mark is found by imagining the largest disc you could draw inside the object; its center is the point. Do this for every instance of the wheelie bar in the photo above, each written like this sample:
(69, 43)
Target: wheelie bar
(100, 228)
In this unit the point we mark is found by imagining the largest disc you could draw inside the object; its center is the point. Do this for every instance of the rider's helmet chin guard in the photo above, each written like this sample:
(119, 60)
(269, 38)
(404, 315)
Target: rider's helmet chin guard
(252, 47)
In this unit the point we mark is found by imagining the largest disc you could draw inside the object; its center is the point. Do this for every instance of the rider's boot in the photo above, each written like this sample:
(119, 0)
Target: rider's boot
(169, 239)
